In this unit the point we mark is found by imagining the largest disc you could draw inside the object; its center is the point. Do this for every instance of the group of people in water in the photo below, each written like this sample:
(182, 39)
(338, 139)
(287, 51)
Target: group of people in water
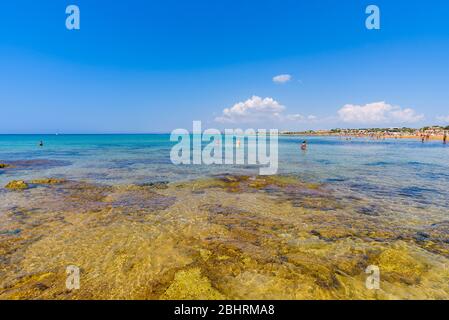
(426, 137)
(423, 139)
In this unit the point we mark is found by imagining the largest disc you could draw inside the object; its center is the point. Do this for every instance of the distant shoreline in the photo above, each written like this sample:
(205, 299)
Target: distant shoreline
(378, 137)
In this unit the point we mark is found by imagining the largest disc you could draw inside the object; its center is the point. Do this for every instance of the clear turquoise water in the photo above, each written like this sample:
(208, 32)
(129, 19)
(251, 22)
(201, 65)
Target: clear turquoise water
(404, 172)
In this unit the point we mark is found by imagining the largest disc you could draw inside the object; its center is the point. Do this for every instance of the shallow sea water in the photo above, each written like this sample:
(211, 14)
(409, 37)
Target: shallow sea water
(140, 227)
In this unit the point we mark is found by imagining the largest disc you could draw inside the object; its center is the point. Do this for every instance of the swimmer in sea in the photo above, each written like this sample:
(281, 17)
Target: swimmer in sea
(41, 144)
(304, 145)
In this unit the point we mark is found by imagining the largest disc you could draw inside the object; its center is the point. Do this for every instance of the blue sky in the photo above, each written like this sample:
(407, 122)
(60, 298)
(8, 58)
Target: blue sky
(154, 66)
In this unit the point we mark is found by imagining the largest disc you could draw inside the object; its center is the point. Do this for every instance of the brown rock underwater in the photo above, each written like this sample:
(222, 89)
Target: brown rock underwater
(227, 237)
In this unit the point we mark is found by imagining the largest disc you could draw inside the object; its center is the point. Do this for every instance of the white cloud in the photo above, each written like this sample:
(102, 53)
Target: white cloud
(268, 110)
(257, 109)
(282, 78)
(252, 110)
(443, 119)
(378, 113)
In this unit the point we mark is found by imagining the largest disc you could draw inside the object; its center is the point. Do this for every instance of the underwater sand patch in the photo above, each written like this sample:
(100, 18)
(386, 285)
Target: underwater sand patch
(191, 285)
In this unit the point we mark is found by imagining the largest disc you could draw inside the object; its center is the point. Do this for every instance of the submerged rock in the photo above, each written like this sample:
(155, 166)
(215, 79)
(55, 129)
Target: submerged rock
(370, 210)
(156, 185)
(271, 240)
(239, 183)
(422, 236)
(47, 181)
(219, 209)
(17, 185)
(11, 232)
(37, 164)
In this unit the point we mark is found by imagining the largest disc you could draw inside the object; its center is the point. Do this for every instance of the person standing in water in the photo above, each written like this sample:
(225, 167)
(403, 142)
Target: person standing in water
(304, 145)
(445, 138)
(41, 143)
